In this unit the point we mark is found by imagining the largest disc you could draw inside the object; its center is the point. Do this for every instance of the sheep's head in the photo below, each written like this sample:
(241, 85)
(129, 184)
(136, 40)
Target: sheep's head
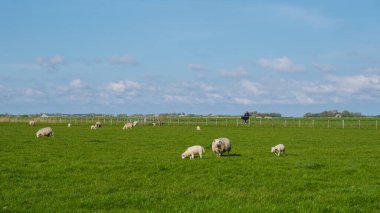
(273, 149)
(183, 156)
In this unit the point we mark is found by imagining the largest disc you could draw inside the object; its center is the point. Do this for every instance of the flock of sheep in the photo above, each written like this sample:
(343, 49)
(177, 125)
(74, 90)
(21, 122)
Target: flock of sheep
(218, 146)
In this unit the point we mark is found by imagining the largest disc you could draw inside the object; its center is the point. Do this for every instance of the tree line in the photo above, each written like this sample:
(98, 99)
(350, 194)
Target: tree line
(333, 114)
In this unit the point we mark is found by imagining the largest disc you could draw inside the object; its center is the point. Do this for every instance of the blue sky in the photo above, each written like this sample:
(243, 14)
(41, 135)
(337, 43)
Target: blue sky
(220, 57)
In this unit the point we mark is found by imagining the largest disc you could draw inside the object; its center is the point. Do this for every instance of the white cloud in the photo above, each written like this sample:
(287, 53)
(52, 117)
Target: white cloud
(238, 72)
(214, 96)
(354, 84)
(280, 64)
(242, 101)
(372, 70)
(50, 62)
(303, 98)
(121, 86)
(76, 83)
(196, 67)
(124, 59)
(251, 87)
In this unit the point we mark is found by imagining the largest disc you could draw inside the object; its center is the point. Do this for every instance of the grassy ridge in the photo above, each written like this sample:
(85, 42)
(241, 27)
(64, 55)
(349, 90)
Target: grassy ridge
(141, 170)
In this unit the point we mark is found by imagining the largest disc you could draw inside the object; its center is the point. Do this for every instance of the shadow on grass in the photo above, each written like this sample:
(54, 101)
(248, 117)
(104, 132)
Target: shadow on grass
(96, 141)
(313, 166)
(231, 155)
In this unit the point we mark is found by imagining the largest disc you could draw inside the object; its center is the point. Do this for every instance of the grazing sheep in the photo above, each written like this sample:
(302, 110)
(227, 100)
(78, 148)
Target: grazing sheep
(31, 123)
(69, 125)
(278, 149)
(198, 128)
(47, 131)
(135, 123)
(154, 124)
(128, 126)
(98, 124)
(221, 145)
(93, 127)
(191, 151)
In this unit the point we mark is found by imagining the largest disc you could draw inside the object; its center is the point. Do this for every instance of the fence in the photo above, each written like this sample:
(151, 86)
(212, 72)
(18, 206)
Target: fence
(343, 123)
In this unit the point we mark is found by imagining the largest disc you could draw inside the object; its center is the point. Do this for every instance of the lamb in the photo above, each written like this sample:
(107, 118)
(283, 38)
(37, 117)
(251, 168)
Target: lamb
(191, 151)
(47, 131)
(278, 149)
(93, 127)
(128, 126)
(98, 124)
(221, 145)
(69, 125)
(135, 123)
(31, 123)
(198, 128)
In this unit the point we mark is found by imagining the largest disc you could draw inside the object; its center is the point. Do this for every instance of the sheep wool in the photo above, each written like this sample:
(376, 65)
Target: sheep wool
(128, 126)
(31, 123)
(193, 150)
(47, 131)
(278, 149)
(221, 145)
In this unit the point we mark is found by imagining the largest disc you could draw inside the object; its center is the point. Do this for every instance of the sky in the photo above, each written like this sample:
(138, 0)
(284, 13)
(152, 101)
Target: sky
(197, 57)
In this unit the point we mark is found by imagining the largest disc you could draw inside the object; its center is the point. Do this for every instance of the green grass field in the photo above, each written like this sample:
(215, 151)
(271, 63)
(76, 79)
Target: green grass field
(141, 170)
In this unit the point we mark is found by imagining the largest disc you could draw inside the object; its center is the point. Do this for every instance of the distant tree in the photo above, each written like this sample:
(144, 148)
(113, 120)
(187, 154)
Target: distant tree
(332, 114)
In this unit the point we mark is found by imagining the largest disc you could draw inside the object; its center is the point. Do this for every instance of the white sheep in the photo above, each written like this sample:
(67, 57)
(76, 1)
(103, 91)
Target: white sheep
(198, 128)
(93, 127)
(135, 123)
(278, 149)
(31, 123)
(191, 151)
(221, 145)
(98, 124)
(128, 126)
(47, 131)
(69, 125)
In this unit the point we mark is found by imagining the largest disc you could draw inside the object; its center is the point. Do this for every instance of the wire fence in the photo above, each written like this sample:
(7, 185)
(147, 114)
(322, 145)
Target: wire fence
(342, 123)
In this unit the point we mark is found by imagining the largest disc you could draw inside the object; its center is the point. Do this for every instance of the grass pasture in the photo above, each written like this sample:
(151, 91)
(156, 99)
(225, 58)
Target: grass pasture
(140, 170)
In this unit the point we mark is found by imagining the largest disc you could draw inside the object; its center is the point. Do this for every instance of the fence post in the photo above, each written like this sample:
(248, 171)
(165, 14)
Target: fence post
(237, 122)
(285, 122)
(299, 123)
(216, 122)
(343, 124)
(313, 123)
(376, 124)
(359, 125)
(328, 124)
(260, 121)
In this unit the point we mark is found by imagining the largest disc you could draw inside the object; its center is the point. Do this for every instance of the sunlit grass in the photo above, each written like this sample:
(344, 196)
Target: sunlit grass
(109, 169)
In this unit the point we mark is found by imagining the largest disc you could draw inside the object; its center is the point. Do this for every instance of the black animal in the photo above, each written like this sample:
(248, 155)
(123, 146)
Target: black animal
(245, 117)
